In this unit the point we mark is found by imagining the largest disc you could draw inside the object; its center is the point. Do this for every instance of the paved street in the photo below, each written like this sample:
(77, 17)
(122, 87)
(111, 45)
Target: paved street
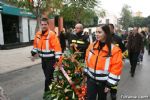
(28, 83)
(139, 85)
(24, 84)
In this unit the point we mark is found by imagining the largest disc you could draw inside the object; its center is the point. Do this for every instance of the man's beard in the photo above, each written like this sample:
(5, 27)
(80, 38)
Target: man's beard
(43, 31)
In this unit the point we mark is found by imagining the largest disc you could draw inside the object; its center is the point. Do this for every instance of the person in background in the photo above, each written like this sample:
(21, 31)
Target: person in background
(148, 42)
(116, 40)
(134, 45)
(103, 65)
(79, 41)
(62, 39)
(140, 58)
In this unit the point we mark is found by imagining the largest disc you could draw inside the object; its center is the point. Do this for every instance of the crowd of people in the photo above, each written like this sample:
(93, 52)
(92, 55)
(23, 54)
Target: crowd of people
(103, 56)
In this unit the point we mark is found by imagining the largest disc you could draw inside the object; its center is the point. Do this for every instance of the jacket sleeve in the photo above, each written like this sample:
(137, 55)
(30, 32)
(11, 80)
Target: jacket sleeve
(35, 47)
(56, 45)
(86, 58)
(115, 69)
(122, 46)
(85, 45)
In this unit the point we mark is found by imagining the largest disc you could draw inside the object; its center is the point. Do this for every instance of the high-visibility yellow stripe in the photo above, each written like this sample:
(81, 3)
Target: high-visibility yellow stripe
(80, 42)
(74, 41)
(117, 45)
(114, 87)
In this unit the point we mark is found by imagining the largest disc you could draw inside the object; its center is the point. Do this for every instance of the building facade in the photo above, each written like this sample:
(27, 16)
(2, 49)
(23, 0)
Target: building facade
(16, 25)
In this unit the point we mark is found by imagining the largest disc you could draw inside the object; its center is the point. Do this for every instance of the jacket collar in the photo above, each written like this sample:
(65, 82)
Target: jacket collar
(105, 48)
(45, 34)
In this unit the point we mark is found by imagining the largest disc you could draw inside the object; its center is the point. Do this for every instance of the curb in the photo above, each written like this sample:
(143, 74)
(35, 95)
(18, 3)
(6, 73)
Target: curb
(17, 69)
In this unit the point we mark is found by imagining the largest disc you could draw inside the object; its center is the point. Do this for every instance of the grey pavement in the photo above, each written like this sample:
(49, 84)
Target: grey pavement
(15, 59)
(137, 87)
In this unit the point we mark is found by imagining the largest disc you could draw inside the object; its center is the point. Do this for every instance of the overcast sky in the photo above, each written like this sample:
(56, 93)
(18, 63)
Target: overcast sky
(115, 6)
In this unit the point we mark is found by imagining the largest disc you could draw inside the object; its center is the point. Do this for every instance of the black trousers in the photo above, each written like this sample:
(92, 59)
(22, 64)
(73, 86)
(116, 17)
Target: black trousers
(95, 88)
(133, 57)
(48, 69)
(113, 93)
(149, 49)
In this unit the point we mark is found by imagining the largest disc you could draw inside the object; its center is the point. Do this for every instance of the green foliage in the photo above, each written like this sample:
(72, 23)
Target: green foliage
(60, 89)
(137, 21)
(127, 20)
(140, 22)
(37, 7)
(79, 11)
(126, 17)
(146, 22)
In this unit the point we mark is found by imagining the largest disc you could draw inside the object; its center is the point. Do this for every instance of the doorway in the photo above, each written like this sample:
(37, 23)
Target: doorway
(10, 28)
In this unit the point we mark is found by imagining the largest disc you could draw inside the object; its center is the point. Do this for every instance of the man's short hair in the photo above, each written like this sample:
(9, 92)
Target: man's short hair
(45, 19)
(79, 25)
(112, 25)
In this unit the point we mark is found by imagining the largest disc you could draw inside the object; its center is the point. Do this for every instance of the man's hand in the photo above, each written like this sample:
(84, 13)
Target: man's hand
(73, 45)
(34, 57)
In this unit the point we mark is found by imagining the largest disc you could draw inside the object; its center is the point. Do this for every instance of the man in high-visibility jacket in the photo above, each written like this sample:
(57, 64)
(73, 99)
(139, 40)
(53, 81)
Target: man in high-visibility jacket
(79, 41)
(46, 45)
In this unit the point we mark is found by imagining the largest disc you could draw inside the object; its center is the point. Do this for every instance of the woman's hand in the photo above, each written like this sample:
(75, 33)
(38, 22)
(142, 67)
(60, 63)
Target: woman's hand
(106, 89)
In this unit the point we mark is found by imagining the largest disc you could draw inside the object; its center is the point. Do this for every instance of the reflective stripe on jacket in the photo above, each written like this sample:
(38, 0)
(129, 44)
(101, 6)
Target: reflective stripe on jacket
(78, 42)
(47, 45)
(101, 67)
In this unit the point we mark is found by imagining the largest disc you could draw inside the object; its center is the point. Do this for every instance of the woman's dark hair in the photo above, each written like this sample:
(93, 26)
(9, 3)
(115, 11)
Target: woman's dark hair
(108, 41)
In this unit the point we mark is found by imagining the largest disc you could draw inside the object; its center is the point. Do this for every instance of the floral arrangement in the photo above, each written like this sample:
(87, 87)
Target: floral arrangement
(69, 80)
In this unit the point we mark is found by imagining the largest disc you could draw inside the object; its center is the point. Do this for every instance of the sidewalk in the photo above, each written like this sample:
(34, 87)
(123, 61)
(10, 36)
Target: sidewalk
(15, 59)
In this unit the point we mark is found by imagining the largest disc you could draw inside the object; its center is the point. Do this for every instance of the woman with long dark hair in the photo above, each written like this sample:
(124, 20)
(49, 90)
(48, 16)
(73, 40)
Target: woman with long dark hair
(103, 64)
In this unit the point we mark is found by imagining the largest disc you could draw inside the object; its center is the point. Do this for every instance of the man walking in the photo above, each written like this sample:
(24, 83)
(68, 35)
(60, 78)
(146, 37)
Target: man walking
(47, 47)
(134, 46)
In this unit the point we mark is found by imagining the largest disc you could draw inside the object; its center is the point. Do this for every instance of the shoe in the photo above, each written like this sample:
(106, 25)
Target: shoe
(132, 75)
(138, 63)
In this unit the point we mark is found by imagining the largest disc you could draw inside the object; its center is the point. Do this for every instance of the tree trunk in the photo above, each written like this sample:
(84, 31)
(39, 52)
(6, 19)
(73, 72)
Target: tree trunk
(37, 24)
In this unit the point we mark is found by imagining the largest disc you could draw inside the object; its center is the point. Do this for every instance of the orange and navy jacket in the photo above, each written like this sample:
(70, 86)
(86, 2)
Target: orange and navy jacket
(47, 45)
(101, 67)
